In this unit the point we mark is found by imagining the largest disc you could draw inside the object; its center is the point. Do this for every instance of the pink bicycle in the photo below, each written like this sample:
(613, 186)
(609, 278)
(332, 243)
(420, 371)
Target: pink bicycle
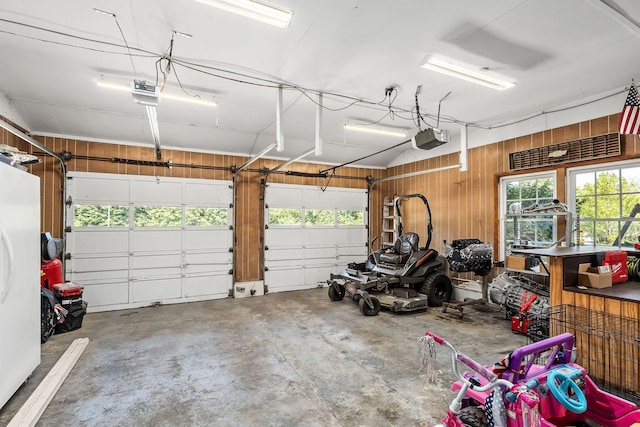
(523, 393)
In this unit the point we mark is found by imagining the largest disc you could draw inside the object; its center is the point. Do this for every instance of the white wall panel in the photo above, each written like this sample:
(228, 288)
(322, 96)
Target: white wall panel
(100, 295)
(156, 240)
(282, 254)
(157, 289)
(212, 285)
(101, 188)
(287, 237)
(216, 193)
(156, 261)
(315, 198)
(99, 242)
(197, 239)
(100, 263)
(159, 192)
(320, 236)
(318, 274)
(351, 235)
(284, 196)
(351, 199)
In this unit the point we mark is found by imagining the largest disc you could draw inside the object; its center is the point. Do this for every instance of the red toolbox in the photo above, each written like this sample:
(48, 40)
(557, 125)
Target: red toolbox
(617, 261)
(520, 324)
(68, 290)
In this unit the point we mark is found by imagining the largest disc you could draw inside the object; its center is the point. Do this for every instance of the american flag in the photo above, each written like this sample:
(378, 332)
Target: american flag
(630, 116)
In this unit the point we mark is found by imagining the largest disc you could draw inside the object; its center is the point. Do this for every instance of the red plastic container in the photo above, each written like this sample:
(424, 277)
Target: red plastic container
(68, 289)
(617, 261)
(51, 274)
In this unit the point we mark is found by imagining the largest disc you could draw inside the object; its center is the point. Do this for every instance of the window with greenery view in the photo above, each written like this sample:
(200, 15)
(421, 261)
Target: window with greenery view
(608, 201)
(206, 217)
(346, 217)
(283, 216)
(152, 216)
(317, 217)
(100, 216)
(524, 192)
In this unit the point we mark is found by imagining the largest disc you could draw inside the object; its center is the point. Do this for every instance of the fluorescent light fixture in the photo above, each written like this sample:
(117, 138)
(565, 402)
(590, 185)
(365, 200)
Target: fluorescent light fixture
(163, 95)
(254, 9)
(446, 67)
(152, 114)
(374, 129)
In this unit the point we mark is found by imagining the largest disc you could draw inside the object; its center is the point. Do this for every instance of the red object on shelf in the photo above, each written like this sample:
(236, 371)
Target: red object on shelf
(617, 261)
(51, 273)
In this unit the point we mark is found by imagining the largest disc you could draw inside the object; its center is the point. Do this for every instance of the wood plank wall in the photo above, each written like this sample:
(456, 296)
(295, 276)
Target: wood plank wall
(248, 205)
(463, 204)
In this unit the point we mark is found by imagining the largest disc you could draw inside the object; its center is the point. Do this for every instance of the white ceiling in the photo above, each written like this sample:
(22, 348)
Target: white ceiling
(52, 53)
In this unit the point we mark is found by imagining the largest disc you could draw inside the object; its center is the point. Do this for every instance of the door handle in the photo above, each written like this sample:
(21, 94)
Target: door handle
(6, 285)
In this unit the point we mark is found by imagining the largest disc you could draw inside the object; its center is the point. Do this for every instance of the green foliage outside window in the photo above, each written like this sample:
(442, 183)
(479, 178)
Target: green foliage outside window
(314, 217)
(145, 216)
(350, 217)
(279, 216)
(603, 199)
(100, 216)
(530, 191)
(206, 217)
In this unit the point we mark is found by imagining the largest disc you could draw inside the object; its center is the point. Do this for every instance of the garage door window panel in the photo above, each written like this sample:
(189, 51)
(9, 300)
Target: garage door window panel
(157, 216)
(319, 218)
(285, 216)
(206, 217)
(348, 218)
(100, 216)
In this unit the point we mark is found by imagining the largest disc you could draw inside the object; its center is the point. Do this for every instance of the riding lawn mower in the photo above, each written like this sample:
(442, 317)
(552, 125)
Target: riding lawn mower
(404, 277)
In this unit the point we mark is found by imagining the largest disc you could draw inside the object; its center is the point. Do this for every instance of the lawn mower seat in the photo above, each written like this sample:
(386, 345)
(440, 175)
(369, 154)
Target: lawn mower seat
(402, 248)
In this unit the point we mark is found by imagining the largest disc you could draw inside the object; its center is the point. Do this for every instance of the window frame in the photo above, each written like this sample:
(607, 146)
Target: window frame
(502, 202)
(601, 167)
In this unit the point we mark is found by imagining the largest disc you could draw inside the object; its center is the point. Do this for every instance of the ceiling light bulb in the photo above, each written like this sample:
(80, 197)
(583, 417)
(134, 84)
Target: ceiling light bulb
(254, 9)
(445, 67)
(376, 130)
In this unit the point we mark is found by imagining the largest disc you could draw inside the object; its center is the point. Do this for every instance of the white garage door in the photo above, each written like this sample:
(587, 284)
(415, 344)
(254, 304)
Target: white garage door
(137, 240)
(311, 233)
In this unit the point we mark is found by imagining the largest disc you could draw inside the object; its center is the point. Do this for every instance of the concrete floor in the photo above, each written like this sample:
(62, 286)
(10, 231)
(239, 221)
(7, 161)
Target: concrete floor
(287, 359)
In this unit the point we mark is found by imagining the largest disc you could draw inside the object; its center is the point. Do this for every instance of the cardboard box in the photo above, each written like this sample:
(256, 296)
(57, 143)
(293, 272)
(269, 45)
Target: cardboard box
(594, 277)
(520, 262)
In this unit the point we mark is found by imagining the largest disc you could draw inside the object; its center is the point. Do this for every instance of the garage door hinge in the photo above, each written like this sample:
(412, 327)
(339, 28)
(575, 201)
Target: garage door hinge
(266, 248)
(231, 227)
(266, 269)
(67, 256)
(230, 249)
(67, 229)
(231, 271)
(69, 201)
(266, 226)
(231, 205)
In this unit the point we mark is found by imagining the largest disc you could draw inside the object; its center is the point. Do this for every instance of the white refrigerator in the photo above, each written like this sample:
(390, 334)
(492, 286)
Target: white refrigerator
(19, 278)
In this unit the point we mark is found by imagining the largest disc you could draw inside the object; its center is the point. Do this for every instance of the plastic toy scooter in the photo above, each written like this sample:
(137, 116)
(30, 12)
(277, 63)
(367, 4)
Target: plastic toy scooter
(558, 393)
